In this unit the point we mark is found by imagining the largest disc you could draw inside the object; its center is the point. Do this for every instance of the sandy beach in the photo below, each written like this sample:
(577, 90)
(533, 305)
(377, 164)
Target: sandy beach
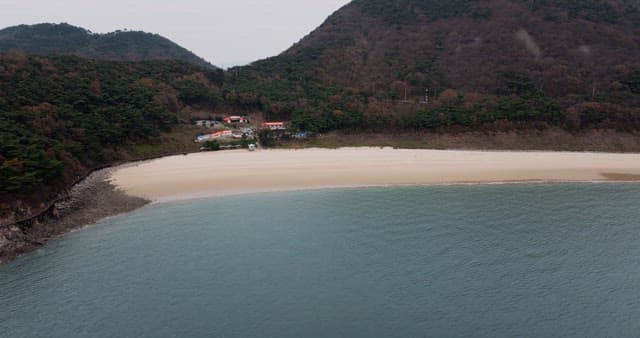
(237, 172)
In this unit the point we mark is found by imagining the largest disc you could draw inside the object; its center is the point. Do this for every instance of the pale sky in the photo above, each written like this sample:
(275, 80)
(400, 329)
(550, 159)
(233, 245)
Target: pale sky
(224, 32)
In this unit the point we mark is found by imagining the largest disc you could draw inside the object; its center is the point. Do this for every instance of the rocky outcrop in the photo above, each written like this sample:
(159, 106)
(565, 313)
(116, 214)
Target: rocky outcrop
(13, 241)
(89, 201)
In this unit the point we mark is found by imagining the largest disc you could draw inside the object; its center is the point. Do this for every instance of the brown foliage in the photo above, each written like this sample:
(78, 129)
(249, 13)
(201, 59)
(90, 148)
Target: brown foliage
(564, 56)
(448, 96)
(95, 87)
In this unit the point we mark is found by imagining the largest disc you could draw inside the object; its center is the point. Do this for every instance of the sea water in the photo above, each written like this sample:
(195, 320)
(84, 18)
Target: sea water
(538, 260)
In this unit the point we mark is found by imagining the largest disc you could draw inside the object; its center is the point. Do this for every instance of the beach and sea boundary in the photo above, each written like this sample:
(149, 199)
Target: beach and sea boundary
(127, 187)
(239, 172)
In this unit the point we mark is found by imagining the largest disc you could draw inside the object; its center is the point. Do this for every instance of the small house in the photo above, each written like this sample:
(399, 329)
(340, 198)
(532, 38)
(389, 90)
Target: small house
(235, 119)
(273, 125)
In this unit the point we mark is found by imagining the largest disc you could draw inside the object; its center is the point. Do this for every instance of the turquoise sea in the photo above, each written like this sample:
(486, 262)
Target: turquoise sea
(538, 260)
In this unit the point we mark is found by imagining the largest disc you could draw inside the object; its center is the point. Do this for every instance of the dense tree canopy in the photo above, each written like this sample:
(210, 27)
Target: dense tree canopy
(61, 114)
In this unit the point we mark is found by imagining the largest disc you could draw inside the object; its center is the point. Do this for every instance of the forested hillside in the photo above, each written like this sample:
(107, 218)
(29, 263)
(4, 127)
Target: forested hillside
(506, 63)
(374, 67)
(65, 39)
(60, 116)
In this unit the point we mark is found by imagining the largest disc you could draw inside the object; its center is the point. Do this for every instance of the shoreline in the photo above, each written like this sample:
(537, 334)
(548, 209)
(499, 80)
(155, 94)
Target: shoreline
(230, 173)
(90, 201)
(196, 197)
(209, 195)
(103, 193)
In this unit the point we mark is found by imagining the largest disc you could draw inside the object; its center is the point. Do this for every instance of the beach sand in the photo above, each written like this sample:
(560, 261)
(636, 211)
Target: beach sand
(237, 172)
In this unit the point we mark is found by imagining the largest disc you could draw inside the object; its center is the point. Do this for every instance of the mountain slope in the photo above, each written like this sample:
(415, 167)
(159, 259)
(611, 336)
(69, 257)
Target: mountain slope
(498, 59)
(467, 45)
(61, 116)
(61, 39)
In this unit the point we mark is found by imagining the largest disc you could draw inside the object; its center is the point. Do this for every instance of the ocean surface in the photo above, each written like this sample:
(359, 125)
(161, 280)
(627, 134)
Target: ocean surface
(539, 260)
